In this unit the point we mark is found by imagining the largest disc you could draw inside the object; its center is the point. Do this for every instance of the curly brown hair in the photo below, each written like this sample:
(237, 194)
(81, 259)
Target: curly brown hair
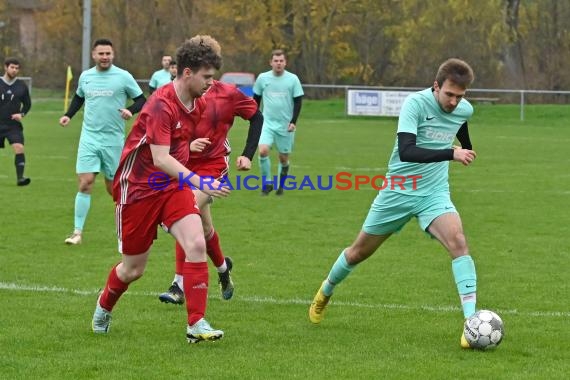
(197, 52)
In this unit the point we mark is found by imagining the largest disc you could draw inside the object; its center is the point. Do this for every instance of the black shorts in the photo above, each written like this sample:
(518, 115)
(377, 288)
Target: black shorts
(14, 134)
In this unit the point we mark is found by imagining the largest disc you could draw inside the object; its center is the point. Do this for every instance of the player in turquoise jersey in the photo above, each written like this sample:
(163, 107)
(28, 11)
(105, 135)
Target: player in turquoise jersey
(281, 94)
(161, 77)
(417, 185)
(104, 89)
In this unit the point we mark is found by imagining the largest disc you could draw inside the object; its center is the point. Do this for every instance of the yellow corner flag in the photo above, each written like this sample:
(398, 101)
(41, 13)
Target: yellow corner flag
(68, 79)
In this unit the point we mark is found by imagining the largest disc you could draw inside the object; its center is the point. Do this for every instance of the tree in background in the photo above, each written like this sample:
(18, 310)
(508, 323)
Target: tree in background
(542, 35)
(510, 43)
(431, 31)
(362, 43)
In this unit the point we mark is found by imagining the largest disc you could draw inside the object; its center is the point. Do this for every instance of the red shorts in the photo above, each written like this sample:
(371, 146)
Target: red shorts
(211, 167)
(137, 222)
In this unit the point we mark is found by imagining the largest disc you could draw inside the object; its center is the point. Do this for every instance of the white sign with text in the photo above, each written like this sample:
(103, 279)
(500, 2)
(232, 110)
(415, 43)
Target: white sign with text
(374, 102)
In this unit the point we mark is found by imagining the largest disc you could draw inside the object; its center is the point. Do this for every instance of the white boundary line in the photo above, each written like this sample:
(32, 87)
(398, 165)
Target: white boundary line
(10, 286)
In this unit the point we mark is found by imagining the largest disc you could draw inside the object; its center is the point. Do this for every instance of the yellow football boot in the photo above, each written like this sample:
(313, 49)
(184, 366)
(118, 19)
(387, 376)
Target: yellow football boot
(317, 309)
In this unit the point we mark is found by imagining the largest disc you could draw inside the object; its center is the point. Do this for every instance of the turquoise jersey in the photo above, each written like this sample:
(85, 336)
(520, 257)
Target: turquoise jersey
(277, 93)
(105, 92)
(159, 78)
(434, 129)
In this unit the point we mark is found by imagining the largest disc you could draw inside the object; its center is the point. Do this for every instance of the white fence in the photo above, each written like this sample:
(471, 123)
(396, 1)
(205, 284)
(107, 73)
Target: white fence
(388, 98)
(391, 97)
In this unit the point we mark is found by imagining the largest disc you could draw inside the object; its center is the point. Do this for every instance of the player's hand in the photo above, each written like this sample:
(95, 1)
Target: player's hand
(64, 120)
(16, 116)
(215, 189)
(292, 127)
(200, 144)
(465, 156)
(243, 163)
(125, 113)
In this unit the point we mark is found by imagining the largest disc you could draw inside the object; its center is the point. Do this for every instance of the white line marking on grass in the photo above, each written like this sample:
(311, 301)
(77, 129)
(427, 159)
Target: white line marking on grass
(10, 286)
(429, 308)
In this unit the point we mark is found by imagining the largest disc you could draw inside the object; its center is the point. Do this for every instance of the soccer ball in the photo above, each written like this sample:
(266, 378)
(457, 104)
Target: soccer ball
(484, 330)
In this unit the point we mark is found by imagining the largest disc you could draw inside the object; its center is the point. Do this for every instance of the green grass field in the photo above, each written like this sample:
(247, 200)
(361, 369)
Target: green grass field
(397, 316)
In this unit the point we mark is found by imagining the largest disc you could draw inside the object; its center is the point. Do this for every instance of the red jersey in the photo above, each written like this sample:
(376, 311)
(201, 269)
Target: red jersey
(163, 120)
(223, 102)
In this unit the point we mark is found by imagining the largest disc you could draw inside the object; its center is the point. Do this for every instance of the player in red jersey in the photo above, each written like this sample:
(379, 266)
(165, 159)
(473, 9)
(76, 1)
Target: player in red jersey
(209, 157)
(152, 187)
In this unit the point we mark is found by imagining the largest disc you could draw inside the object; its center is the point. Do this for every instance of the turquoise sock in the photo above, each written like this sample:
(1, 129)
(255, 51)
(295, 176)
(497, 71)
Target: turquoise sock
(82, 204)
(265, 166)
(339, 271)
(466, 280)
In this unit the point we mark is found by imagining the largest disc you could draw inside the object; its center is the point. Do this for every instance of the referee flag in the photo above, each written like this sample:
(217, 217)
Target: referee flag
(68, 79)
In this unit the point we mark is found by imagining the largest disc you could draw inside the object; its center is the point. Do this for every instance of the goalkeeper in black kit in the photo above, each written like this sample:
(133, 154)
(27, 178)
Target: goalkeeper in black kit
(15, 103)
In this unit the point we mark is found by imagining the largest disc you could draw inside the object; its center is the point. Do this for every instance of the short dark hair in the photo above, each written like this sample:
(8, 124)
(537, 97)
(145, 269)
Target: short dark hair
(102, 42)
(278, 52)
(197, 52)
(11, 61)
(172, 63)
(455, 70)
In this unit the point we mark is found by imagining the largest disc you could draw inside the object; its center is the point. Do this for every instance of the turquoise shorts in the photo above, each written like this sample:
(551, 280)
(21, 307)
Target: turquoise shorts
(390, 211)
(98, 159)
(283, 142)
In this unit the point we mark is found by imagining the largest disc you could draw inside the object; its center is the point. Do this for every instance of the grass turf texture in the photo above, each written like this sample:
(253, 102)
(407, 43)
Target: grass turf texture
(397, 316)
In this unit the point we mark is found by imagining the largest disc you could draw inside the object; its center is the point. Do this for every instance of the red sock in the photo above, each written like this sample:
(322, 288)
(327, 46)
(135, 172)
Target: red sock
(195, 290)
(114, 288)
(180, 258)
(214, 250)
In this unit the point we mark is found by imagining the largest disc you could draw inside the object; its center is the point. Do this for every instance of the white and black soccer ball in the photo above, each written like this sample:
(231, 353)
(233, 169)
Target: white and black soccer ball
(484, 330)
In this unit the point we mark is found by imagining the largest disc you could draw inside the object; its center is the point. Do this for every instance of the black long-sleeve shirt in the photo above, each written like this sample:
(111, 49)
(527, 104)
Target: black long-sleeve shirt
(255, 125)
(78, 101)
(14, 98)
(410, 152)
